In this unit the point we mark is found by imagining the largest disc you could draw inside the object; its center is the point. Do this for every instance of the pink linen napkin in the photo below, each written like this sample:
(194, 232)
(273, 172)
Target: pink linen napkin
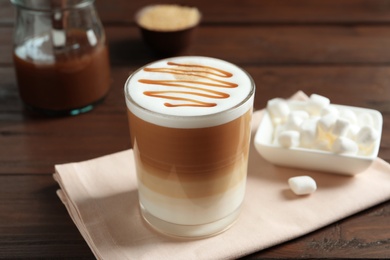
(101, 198)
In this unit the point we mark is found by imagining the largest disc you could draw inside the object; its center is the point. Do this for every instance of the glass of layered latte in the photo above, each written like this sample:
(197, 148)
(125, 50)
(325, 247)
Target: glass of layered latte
(190, 121)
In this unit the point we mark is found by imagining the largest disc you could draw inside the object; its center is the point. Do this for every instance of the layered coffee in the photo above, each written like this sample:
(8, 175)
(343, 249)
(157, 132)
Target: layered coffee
(189, 121)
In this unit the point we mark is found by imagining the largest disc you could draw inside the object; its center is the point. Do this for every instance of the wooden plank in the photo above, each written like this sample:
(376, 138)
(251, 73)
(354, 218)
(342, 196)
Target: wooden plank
(342, 240)
(295, 45)
(267, 12)
(7, 13)
(34, 222)
(36, 146)
(268, 45)
(365, 86)
(6, 45)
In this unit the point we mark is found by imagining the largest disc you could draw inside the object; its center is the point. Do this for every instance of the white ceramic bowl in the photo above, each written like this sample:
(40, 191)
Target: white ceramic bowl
(314, 159)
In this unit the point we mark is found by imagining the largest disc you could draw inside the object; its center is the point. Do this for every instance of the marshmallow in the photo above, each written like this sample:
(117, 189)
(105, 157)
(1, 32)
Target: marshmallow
(289, 138)
(365, 119)
(324, 137)
(278, 109)
(316, 103)
(344, 145)
(353, 130)
(278, 129)
(308, 132)
(329, 110)
(302, 185)
(367, 136)
(348, 115)
(340, 127)
(327, 122)
(294, 120)
(300, 113)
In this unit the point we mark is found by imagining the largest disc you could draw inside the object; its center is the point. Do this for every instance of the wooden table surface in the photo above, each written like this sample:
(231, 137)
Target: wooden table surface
(336, 48)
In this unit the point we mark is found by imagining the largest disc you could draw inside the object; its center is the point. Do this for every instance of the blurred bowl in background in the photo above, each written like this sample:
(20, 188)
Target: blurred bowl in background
(168, 29)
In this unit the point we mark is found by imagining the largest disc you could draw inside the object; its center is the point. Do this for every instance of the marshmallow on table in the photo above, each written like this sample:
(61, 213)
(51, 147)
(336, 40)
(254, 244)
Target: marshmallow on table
(302, 185)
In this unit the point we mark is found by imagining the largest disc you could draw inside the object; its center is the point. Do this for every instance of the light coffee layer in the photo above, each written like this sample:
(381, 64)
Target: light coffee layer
(175, 186)
(196, 211)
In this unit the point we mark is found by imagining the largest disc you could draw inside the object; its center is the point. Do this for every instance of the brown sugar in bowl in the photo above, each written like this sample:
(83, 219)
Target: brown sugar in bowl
(168, 29)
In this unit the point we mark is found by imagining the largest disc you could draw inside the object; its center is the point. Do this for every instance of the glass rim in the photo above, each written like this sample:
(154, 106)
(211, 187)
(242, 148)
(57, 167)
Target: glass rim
(44, 6)
(190, 117)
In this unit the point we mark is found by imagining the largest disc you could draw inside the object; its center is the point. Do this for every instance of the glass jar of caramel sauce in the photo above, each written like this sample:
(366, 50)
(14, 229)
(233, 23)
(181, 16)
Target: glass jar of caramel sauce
(60, 55)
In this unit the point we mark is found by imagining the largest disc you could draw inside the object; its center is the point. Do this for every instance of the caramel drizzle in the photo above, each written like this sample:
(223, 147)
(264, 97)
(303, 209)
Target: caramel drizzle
(197, 88)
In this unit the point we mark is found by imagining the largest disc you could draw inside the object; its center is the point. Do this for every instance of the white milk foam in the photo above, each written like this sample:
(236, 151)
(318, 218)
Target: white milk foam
(185, 112)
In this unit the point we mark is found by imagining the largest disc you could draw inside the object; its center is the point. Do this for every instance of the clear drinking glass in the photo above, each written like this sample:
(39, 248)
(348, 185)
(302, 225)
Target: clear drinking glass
(190, 121)
(60, 55)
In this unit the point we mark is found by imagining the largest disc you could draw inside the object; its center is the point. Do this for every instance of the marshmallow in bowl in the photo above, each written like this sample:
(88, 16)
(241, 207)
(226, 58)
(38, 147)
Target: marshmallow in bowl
(317, 124)
(366, 136)
(279, 109)
(340, 127)
(316, 103)
(309, 133)
(289, 138)
(295, 119)
(344, 145)
(365, 119)
(349, 115)
(330, 110)
(326, 122)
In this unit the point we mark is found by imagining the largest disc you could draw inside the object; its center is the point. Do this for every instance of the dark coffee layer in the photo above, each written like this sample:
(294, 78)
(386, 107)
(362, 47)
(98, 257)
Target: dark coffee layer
(194, 153)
